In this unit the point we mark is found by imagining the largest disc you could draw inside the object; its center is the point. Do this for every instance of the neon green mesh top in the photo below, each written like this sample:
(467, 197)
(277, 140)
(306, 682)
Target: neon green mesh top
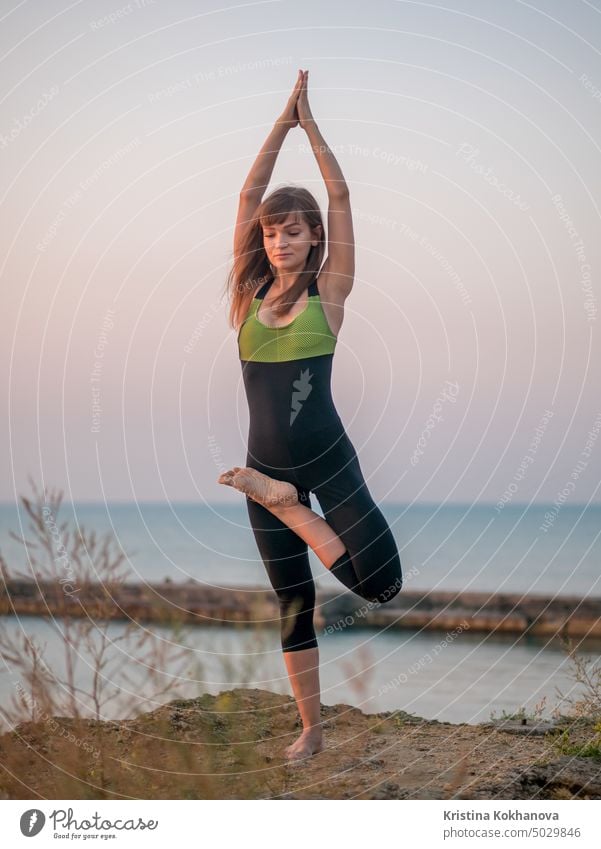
(307, 335)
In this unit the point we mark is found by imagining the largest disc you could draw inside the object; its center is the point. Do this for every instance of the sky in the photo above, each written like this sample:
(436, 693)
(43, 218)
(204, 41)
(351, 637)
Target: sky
(467, 368)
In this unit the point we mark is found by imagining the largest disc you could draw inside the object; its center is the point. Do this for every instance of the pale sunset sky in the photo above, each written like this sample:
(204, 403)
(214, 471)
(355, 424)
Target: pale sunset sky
(468, 365)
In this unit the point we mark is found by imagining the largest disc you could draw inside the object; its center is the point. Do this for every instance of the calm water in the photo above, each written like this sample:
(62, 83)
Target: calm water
(460, 682)
(459, 547)
(453, 548)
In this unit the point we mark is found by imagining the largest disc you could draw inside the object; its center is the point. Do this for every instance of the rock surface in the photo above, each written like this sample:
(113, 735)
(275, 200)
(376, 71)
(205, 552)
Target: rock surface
(230, 746)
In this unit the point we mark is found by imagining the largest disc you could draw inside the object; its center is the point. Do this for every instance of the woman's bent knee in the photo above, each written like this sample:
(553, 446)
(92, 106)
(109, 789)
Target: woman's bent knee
(372, 591)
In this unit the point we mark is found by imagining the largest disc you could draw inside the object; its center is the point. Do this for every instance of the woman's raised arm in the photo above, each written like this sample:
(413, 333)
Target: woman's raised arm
(338, 270)
(260, 173)
(330, 169)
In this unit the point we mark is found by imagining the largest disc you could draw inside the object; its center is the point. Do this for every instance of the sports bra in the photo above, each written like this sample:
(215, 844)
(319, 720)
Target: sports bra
(307, 335)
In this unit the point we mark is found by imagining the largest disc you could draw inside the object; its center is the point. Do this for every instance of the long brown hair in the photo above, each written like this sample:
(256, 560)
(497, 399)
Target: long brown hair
(251, 268)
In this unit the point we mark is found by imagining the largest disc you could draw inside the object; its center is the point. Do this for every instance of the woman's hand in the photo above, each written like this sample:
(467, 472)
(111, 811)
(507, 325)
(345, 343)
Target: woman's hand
(289, 117)
(303, 109)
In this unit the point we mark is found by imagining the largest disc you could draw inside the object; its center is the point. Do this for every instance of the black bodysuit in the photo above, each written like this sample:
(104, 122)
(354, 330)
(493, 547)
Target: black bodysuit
(296, 435)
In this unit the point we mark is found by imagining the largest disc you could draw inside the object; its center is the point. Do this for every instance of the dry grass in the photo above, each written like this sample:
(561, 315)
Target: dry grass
(58, 723)
(586, 672)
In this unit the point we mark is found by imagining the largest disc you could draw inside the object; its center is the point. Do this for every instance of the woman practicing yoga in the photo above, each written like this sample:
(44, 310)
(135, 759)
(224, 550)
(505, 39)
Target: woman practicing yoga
(288, 309)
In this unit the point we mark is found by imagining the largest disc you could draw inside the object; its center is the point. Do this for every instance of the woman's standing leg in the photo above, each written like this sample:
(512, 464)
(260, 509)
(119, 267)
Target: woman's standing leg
(286, 560)
(303, 672)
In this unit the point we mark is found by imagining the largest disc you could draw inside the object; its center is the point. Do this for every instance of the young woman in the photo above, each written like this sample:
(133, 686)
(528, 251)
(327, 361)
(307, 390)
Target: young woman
(288, 309)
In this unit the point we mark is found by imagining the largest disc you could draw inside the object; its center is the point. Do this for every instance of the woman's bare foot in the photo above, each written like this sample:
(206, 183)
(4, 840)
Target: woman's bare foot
(309, 743)
(267, 491)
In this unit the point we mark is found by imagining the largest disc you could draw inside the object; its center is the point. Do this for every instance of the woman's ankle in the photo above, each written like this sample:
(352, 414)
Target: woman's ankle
(316, 728)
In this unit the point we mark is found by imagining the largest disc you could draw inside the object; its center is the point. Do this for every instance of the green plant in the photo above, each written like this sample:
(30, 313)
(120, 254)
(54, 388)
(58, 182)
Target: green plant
(402, 717)
(591, 749)
(521, 715)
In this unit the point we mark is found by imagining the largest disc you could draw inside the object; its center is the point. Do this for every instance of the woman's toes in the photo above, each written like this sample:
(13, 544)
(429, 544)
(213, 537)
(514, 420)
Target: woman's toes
(264, 489)
(260, 487)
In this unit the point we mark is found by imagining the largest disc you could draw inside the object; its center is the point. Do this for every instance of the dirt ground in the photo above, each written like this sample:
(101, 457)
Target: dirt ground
(230, 746)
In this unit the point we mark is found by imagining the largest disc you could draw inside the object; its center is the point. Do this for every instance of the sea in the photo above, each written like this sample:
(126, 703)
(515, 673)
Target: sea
(536, 549)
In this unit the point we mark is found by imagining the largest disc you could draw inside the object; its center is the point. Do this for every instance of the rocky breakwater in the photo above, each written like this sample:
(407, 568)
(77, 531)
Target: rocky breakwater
(200, 604)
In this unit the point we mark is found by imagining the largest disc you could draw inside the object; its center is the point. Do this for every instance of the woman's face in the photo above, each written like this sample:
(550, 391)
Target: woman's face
(287, 245)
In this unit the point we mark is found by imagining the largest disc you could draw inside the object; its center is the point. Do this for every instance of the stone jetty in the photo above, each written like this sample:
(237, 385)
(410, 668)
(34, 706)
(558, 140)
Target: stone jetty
(195, 603)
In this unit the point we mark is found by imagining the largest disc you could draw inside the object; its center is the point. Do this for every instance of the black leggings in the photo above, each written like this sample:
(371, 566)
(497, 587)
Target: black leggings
(327, 465)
